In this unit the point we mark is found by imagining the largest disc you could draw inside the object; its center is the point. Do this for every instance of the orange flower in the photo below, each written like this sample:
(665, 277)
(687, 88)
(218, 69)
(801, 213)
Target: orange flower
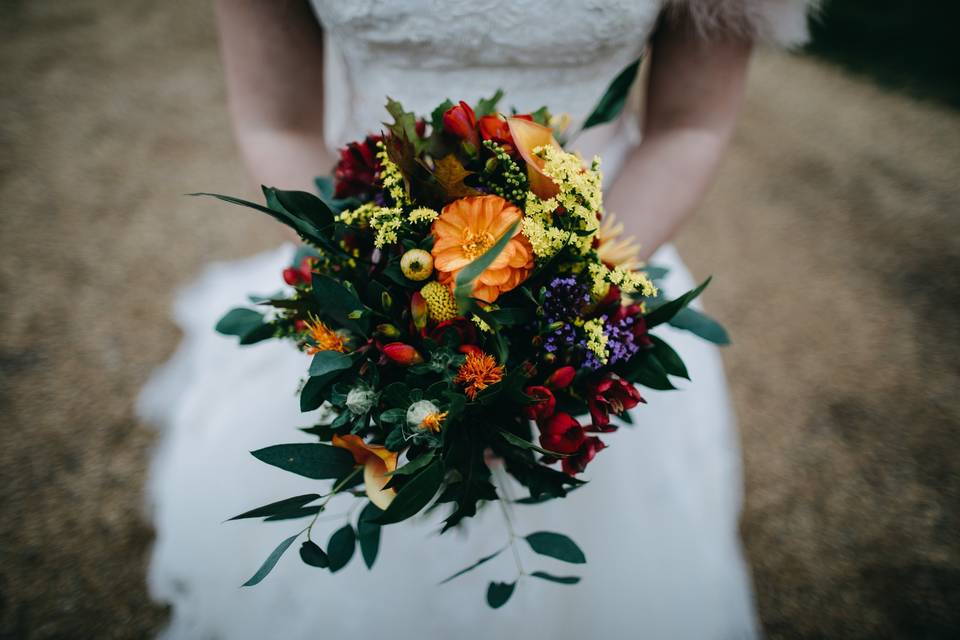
(433, 421)
(527, 136)
(377, 461)
(324, 338)
(478, 372)
(466, 229)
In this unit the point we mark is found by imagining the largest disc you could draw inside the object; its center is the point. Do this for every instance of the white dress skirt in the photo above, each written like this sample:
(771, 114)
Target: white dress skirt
(658, 518)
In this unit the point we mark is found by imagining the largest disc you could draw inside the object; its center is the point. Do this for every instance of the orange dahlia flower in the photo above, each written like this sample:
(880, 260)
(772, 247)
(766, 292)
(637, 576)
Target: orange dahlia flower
(466, 229)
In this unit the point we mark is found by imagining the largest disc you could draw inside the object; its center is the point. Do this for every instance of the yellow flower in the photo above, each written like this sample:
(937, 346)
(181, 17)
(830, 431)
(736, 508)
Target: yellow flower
(324, 338)
(416, 264)
(596, 339)
(433, 421)
(478, 372)
(377, 462)
(440, 303)
(616, 250)
(391, 176)
(422, 214)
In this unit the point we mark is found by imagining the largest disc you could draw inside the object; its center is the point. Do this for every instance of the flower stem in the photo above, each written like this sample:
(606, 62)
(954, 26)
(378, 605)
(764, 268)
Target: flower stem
(336, 489)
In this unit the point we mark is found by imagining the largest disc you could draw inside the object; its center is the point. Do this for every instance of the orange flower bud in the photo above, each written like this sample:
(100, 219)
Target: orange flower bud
(402, 354)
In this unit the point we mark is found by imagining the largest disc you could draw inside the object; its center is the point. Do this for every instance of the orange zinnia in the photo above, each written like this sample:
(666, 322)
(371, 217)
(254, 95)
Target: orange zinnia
(466, 229)
(478, 372)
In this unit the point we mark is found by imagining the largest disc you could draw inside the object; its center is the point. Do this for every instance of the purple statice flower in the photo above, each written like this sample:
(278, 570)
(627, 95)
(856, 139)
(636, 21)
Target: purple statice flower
(621, 342)
(563, 300)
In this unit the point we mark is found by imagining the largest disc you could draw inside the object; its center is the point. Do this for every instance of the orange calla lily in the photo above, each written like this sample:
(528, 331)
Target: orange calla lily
(377, 461)
(527, 136)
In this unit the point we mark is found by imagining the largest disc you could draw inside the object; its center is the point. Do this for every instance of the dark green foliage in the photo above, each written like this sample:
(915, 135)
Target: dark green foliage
(499, 592)
(340, 549)
(313, 555)
(318, 461)
(556, 545)
(279, 507)
(614, 98)
(700, 324)
(543, 575)
(414, 495)
(368, 532)
(246, 324)
(270, 562)
(474, 565)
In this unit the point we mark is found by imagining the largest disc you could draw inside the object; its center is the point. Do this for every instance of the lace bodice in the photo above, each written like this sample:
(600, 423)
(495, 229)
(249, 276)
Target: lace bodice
(559, 53)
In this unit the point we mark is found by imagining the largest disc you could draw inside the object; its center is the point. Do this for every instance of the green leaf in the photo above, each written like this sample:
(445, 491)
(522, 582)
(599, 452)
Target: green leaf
(556, 545)
(340, 549)
(414, 465)
(312, 460)
(665, 312)
(543, 575)
(303, 512)
(313, 555)
(668, 358)
(645, 369)
(414, 495)
(338, 302)
(281, 506)
(270, 562)
(499, 592)
(312, 396)
(368, 531)
(474, 565)
(301, 205)
(246, 324)
(326, 362)
(614, 98)
(700, 324)
(524, 444)
(488, 106)
(302, 227)
(469, 274)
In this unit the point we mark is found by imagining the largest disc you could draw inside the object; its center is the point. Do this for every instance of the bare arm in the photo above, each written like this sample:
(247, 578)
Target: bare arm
(273, 57)
(694, 93)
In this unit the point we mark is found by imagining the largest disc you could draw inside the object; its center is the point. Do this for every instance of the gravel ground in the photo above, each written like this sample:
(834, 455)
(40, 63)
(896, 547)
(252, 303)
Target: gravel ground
(833, 233)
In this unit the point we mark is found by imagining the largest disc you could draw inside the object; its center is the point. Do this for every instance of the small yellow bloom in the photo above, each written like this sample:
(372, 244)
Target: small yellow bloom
(440, 303)
(433, 421)
(416, 264)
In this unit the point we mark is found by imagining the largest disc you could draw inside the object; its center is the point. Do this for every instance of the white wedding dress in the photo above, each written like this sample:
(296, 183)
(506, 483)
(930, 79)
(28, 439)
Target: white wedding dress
(658, 519)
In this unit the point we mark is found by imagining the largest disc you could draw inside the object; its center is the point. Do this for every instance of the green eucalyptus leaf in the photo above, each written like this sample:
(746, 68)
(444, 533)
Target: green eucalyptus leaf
(556, 545)
(281, 506)
(270, 562)
(312, 396)
(242, 322)
(700, 324)
(313, 555)
(474, 565)
(414, 465)
(414, 495)
(341, 547)
(670, 360)
(666, 312)
(327, 362)
(499, 592)
(301, 205)
(302, 512)
(543, 575)
(614, 98)
(368, 532)
(312, 460)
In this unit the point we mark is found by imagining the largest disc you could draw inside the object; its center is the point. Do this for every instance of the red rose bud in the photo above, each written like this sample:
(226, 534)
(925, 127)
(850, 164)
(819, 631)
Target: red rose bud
(460, 121)
(402, 354)
(578, 462)
(561, 378)
(561, 433)
(543, 405)
(418, 310)
(291, 276)
(611, 396)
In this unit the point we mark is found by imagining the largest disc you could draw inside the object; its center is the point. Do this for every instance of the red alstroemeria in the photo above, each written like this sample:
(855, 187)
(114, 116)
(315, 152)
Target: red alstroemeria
(639, 328)
(578, 461)
(561, 433)
(460, 121)
(543, 406)
(561, 378)
(611, 395)
(465, 329)
(356, 172)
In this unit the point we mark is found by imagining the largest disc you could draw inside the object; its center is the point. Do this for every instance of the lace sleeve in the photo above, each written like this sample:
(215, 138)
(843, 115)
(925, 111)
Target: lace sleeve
(780, 22)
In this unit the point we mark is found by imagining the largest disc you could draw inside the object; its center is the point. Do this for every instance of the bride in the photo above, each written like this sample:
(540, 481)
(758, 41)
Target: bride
(658, 520)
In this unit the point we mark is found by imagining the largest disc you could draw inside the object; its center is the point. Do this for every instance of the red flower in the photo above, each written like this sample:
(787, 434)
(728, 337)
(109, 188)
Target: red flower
(356, 172)
(543, 406)
(561, 378)
(578, 462)
(401, 353)
(460, 121)
(611, 395)
(291, 276)
(465, 330)
(561, 433)
(496, 128)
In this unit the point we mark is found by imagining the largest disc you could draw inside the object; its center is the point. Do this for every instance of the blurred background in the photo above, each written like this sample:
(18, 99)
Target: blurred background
(833, 232)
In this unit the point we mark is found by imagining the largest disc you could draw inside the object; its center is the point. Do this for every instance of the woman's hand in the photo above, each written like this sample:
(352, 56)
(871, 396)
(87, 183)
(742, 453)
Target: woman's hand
(693, 95)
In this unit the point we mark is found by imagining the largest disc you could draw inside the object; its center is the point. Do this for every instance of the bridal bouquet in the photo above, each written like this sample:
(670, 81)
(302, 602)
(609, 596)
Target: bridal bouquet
(470, 310)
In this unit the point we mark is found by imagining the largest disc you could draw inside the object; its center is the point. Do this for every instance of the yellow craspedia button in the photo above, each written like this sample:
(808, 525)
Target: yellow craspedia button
(416, 264)
(440, 303)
